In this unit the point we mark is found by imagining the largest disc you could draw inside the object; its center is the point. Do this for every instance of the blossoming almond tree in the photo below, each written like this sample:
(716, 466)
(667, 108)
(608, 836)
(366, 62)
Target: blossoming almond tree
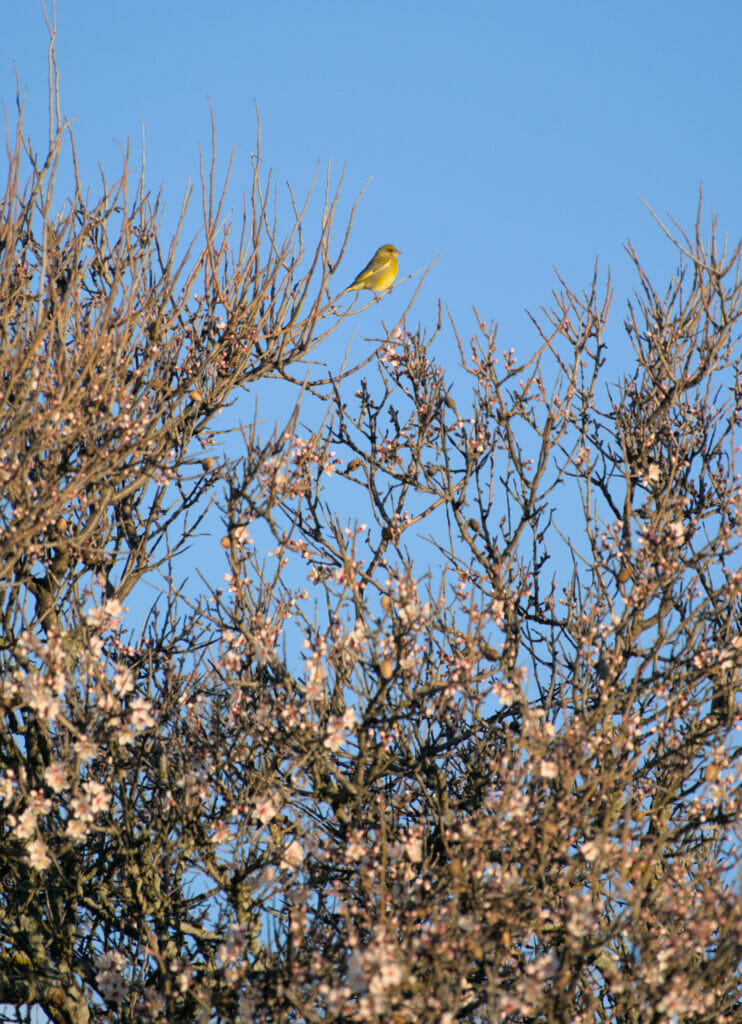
(470, 753)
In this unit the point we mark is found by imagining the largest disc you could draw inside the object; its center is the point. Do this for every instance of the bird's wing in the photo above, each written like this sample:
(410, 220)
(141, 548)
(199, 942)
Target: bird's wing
(374, 264)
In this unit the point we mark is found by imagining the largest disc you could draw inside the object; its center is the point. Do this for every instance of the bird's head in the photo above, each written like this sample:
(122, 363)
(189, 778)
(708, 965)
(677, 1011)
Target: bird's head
(388, 250)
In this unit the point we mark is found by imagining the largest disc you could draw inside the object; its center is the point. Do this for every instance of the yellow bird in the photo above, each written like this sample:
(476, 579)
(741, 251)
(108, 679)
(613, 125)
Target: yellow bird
(379, 272)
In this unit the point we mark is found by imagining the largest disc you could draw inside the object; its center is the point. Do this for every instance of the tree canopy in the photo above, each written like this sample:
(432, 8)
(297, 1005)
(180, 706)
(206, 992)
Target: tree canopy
(458, 737)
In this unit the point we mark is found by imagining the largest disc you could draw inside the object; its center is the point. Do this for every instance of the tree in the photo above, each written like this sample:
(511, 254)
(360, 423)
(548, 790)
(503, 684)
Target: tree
(475, 760)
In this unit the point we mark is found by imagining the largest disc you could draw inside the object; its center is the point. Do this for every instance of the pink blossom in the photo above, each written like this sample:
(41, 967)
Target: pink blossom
(24, 826)
(355, 849)
(39, 802)
(221, 834)
(38, 855)
(7, 787)
(349, 719)
(112, 986)
(265, 809)
(111, 960)
(506, 694)
(590, 850)
(77, 829)
(141, 716)
(314, 688)
(39, 697)
(106, 616)
(81, 810)
(123, 681)
(56, 777)
(86, 750)
(98, 797)
(676, 533)
(335, 737)
(293, 855)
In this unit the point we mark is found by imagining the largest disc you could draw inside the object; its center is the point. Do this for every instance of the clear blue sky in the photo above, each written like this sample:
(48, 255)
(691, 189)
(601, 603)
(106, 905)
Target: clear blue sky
(511, 138)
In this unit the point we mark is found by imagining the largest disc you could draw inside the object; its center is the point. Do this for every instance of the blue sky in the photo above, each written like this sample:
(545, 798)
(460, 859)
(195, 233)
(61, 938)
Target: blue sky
(511, 138)
(508, 138)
